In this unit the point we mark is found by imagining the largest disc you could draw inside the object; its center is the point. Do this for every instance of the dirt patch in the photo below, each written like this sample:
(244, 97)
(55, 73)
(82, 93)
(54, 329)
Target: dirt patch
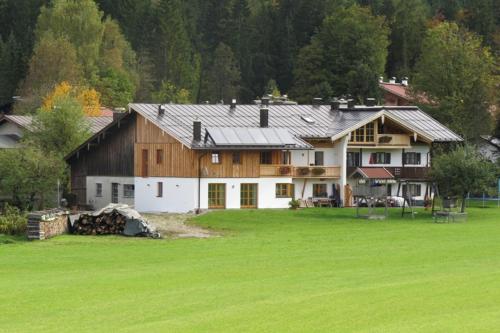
(177, 226)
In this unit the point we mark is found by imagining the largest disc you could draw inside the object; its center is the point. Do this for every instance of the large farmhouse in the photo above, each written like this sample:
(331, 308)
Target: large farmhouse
(179, 158)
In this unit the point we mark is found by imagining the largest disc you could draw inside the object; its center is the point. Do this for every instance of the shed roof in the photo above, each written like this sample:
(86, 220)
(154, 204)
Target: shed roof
(25, 122)
(373, 173)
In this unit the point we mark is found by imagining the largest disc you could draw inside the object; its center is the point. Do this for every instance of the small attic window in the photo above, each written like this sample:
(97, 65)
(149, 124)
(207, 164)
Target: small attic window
(307, 119)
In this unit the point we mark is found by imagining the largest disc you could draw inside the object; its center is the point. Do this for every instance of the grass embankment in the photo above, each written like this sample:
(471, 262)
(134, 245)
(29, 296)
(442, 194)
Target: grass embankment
(315, 270)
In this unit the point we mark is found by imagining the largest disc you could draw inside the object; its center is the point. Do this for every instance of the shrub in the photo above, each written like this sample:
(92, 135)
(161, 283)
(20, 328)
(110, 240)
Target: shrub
(294, 204)
(13, 222)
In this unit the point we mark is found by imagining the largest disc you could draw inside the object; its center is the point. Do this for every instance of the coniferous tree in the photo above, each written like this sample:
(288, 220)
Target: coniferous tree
(223, 79)
(11, 68)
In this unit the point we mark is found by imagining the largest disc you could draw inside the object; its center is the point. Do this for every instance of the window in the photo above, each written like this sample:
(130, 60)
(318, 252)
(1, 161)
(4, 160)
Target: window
(128, 191)
(159, 189)
(370, 132)
(412, 158)
(380, 158)
(216, 196)
(286, 158)
(159, 156)
(248, 198)
(284, 190)
(216, 157)
(415, 190)
(364, 134)
(319, 191)
(266, 157)
(114, 192)
(98, 190)
(353, 159)
(236, 157)
(319, 158)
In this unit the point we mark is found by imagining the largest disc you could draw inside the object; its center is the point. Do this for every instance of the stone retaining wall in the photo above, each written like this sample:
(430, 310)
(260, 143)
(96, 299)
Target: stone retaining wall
(47, 224)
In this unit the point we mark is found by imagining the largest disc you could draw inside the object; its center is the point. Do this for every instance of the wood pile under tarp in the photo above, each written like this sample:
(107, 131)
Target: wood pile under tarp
(114, 219)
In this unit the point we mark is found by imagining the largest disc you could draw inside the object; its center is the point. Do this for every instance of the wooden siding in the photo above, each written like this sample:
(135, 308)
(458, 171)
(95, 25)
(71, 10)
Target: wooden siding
(112, 154)
(180, 161)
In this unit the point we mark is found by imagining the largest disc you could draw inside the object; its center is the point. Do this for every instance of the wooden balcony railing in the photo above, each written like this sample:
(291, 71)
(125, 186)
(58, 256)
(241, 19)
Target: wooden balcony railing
(393, 140)
(299, 172)
(385, 140)
(406, 172)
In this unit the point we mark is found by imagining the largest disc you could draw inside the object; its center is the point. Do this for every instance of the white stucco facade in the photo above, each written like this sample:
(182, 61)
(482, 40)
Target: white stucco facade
(102, 199)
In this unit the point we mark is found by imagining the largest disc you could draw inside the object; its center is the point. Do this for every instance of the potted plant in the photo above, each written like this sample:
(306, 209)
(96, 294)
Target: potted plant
(285, 170)
(304, 171)
(294, 204)
(318, 171)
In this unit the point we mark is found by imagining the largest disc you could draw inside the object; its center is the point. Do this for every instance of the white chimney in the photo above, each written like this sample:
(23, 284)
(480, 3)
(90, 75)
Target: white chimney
(404, 81)
(392, 80)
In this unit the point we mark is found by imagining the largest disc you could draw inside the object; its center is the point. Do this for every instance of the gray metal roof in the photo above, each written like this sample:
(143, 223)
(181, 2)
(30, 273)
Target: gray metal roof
(253, 137)
(22, 121)
(96, 123)
(177, 120)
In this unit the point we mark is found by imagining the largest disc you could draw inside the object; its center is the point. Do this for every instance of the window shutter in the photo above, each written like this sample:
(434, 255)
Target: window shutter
(387, 158)
(372, 158)
(419, 158)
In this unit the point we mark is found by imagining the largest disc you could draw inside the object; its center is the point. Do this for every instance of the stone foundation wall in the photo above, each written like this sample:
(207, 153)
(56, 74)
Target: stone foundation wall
(47, 224)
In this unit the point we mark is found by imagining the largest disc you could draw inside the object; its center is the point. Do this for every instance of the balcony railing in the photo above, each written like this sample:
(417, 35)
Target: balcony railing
(385, 140)
(299, 172)
(406, 172)
(393, 140)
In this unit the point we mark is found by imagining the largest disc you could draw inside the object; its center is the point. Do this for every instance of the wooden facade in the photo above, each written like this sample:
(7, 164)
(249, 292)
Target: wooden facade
(111, 153)
(180, 161)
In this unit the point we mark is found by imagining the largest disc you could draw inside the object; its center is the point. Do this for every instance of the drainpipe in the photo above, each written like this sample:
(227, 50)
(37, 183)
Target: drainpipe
(198, 210)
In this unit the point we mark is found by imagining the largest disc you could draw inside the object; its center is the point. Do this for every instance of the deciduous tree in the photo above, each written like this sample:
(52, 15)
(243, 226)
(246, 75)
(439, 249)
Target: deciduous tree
(455, 72)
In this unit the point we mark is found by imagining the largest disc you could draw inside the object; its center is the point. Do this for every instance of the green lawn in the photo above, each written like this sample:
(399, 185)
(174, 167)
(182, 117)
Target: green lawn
(315, 270)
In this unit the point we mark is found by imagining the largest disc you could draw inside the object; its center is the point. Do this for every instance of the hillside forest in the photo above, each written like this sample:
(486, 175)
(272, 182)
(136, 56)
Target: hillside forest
(112, 52)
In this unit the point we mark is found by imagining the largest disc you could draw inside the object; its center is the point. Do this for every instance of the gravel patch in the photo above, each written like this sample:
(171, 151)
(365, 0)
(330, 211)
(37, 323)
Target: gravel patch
(177, 226)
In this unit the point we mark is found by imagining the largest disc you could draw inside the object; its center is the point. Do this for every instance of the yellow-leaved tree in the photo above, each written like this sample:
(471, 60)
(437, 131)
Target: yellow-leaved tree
(89, 98)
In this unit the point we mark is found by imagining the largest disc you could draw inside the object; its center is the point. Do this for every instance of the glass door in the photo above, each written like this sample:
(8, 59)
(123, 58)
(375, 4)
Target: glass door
(216, 196)
(248, 196)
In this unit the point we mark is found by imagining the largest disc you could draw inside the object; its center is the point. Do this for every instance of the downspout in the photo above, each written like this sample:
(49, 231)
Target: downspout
(198, 210)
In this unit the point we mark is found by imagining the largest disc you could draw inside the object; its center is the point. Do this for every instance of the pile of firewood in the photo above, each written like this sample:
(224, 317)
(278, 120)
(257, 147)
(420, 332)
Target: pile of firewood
(105, 224)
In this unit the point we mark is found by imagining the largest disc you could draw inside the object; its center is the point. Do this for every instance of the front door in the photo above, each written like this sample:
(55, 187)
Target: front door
(114, 193)
(248, 196)
(216, 196)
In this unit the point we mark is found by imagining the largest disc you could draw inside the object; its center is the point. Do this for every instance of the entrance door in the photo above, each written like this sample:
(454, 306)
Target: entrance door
(114, 193)
(248, 196)
(216, 196)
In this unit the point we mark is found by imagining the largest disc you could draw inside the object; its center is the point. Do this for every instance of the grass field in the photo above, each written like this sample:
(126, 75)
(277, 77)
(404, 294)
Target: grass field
(315, 270)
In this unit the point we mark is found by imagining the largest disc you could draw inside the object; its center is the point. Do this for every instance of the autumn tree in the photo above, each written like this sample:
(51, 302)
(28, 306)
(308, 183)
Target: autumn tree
(88, 98)
(54, 60)
(455, 72)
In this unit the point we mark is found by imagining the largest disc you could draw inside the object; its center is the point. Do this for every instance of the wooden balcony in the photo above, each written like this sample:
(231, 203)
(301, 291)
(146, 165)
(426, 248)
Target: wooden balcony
(407, 172)
(393, 140)
(299, 172)
(385, 140)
